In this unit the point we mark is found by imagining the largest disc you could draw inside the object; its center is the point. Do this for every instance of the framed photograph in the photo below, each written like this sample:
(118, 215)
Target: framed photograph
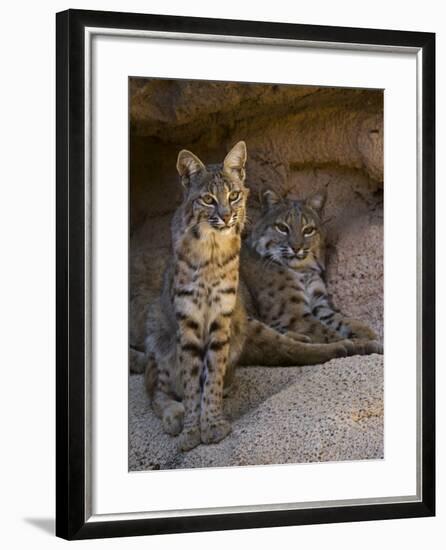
(245, 274)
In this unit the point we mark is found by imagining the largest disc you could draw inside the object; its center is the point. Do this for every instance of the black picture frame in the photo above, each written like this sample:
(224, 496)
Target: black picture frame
(71, 520)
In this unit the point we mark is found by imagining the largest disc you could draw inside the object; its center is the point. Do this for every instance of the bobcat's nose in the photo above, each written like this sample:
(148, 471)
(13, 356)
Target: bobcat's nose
(226, 217)
(301, 253)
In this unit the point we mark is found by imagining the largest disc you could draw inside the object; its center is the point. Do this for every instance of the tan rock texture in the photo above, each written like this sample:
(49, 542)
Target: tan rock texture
(282, 415)
(299, 139)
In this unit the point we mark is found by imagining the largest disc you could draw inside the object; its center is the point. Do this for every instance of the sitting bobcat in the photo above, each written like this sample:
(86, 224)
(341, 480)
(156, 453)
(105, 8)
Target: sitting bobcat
(199, 328)
(287, 245)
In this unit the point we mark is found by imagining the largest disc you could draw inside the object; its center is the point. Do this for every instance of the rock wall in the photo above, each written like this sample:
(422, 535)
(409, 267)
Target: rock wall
(299, 139)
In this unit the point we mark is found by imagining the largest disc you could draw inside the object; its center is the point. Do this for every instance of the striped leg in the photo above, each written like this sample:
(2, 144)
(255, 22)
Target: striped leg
(214, 427)
(190, 364)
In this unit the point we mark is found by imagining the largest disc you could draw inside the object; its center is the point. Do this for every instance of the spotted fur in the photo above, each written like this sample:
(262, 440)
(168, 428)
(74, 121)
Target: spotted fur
(203, 323)
(287, 245)
(189, 333)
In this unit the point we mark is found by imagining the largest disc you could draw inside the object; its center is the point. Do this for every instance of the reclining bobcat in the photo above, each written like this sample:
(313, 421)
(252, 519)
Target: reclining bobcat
(199, 328)
(287, 245)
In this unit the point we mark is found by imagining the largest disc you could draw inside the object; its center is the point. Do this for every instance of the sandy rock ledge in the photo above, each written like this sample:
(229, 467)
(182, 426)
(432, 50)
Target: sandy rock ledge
(280, 415)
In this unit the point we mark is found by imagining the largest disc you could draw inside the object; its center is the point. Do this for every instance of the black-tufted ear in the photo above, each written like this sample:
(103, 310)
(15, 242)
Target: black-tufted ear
(187, 165)
(269, 199)
(317, 201)
(235, 160)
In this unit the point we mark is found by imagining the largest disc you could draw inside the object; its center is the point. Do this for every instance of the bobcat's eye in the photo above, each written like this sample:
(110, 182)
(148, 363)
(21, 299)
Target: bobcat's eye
(207, 199)
(308, 231)
(282, 228)
(234, 195)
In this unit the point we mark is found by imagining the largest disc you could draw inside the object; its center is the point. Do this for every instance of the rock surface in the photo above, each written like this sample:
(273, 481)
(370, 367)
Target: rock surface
(279, 415)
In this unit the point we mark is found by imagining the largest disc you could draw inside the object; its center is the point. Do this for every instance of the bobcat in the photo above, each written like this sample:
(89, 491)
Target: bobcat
(287, 245)
(200, 328)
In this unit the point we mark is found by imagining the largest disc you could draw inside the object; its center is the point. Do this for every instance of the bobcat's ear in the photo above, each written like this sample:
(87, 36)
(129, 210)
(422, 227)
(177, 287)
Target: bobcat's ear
(188, 165)
(235, 160)
(317, 201)
(269, 199)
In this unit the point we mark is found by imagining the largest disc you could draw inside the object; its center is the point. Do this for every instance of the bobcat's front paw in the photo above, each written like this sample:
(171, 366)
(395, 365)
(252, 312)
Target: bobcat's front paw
(189, 438)
(173, 418)
(214, 431)
(360, 331)
(372, 346)
(341, 348)
(362, 347)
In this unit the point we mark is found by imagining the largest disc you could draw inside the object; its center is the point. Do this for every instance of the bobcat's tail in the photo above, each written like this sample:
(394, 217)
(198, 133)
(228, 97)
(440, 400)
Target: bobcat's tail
(265, 346)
